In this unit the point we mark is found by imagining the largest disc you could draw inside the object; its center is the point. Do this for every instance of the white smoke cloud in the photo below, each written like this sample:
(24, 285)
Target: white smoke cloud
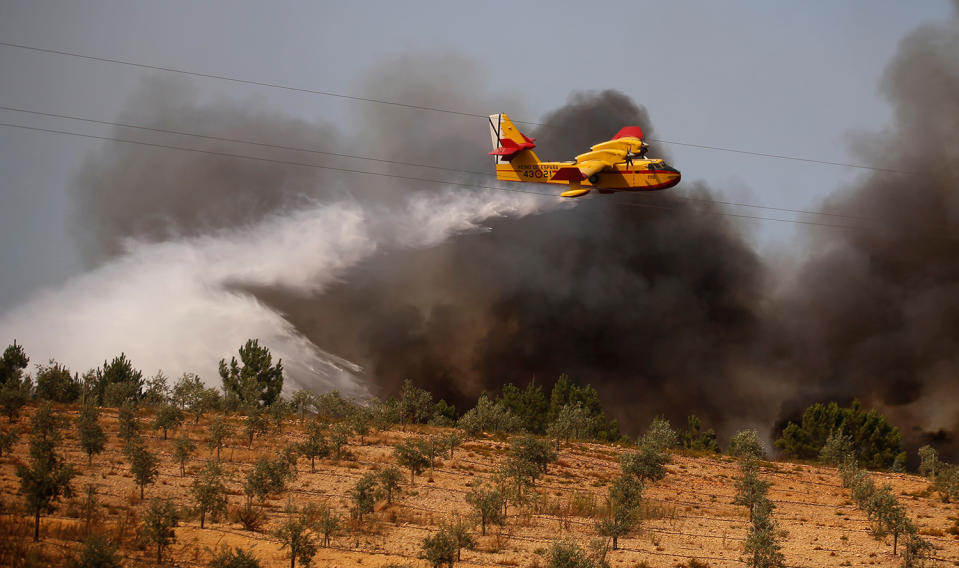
(180, 305)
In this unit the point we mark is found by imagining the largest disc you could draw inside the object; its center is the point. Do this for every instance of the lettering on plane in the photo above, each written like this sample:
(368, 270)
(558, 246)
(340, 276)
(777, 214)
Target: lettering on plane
(537, 170)
(547, 171)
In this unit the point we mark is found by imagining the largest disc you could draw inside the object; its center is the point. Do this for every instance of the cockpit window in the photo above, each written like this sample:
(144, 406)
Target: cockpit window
(666, 167)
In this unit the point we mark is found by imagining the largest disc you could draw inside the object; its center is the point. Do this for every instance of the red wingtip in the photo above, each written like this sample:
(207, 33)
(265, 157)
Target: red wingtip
(634, 131)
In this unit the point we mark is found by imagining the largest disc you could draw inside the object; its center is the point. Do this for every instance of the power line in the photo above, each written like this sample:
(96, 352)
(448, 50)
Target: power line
(421, 107)
(410, 178)
(382, 160)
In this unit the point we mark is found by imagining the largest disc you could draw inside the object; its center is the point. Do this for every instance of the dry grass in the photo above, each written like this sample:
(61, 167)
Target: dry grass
(687, 517)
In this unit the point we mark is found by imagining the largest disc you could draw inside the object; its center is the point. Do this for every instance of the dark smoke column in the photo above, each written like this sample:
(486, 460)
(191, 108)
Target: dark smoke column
(875, 311)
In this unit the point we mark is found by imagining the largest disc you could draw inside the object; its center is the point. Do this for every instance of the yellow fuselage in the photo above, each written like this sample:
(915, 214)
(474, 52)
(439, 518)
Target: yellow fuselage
(641, 175)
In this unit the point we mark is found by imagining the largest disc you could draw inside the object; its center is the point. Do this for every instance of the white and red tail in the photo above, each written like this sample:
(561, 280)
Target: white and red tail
(509, 144)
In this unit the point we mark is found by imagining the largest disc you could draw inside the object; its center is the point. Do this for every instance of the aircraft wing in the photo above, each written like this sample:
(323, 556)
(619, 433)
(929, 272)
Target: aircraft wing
(582, 170)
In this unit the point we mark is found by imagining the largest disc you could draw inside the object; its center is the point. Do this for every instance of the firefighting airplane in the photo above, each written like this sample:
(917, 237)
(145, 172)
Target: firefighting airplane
(619, 164)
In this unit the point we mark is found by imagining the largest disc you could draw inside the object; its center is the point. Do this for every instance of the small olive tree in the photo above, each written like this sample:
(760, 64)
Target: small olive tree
(159, 525)
(487, 503)
(410, 455)
(209, 492)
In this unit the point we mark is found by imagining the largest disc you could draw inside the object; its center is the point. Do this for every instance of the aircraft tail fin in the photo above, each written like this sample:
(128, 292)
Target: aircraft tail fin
(509, 144)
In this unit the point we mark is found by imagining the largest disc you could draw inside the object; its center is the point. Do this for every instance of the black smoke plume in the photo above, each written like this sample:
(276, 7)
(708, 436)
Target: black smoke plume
(874, 312)
(655, 306)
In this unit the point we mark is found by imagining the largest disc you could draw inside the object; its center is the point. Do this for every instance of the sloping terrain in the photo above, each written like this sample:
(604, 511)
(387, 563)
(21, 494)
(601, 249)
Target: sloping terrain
(687, 515)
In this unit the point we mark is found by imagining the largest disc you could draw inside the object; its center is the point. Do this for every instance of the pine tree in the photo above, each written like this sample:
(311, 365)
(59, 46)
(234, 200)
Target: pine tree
(143, 465)
(254, 380)
(92, 437)
(47, 479)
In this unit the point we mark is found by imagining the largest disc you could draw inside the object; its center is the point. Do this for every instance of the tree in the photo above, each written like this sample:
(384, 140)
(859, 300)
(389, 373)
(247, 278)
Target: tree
(209, 492)
(647, 464)
(875, 441)
(92, 437)
(143, 465)
(255, 423)
(329, 525)
(56, 384)
(622, 508)
(529, 405)
(888, 516)
(156, 390)
(746, 444)
(761, 540)
(257, 381)
(220, 431)
(697, 439)
(159, 524)
(315, 444)
(389, 482)
(567, 554)
(566, 392)
(762, 544)
(296, 535)
(750, 489)
(410, 455)
(339, 436)
(47, 479)
(118, 382)
(234, 558)
(14, 394)
(360, 422)
(303, 402)
(489, 417)
(462, 534)
(267, 477)
(128, 428)
(362, 496)
(532, 455)
(838, 446)
(97, 552)
(928, 461)
(168, 417)
(444, 414)
(12, 363)
(947, 482)
(183, 449)
(451, 440)
(660, 435)
(190, 394)
(7, 440)
(573, 421)
(416, 404)
(440, 548)
(487, 506)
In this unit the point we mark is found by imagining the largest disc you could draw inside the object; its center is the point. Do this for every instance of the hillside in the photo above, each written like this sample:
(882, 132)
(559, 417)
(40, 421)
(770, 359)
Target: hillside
(687, 515)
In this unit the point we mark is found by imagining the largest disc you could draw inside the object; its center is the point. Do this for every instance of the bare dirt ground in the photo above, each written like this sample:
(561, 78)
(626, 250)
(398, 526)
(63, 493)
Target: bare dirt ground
(688, 515)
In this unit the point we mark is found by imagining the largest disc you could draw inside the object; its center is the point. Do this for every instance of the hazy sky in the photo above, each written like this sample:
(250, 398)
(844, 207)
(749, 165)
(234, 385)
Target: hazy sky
(785, 78)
